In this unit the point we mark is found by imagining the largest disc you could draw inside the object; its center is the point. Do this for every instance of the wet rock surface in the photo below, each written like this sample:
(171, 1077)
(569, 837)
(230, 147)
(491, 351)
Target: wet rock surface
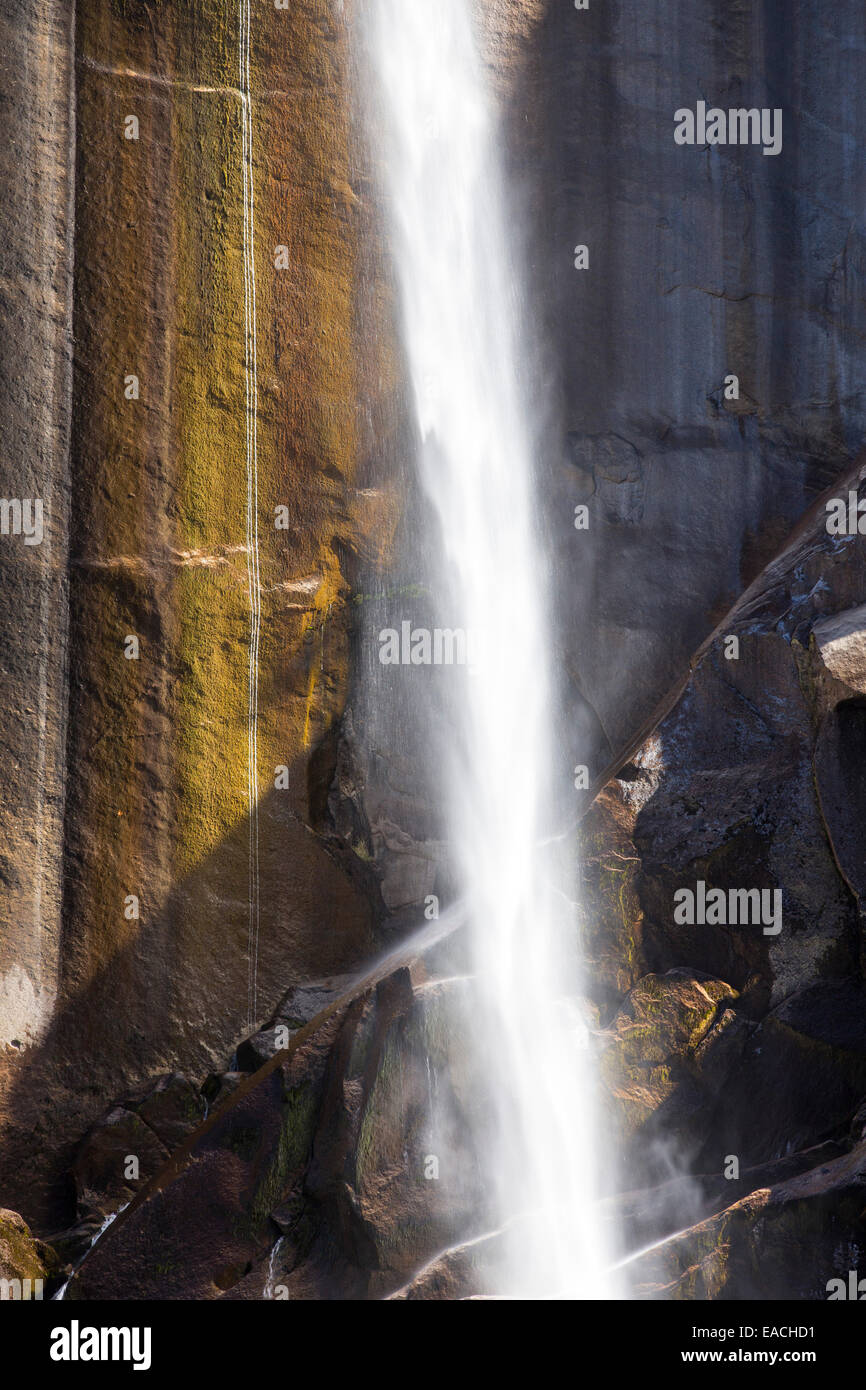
(792, 1240)
(741, 783)
(320, 1171)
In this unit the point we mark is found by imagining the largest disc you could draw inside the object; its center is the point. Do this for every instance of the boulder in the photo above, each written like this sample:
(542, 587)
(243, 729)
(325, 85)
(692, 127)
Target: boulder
(796, 1239)
(298, 1007)
(669, 1052)
(801, 1075)
(841, 641)
(144, 1126)
(26, 1264)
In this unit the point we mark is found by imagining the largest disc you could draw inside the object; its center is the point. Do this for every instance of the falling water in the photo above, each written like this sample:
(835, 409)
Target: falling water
(465, 350)
(112, 1216)
(270, 1281)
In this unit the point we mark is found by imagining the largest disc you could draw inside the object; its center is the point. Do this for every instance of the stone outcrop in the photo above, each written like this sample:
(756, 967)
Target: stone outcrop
(797, 1239)
(841, 641)
(132, 1142)
(319, 1170)
(673, 1045)
(735, 1042)
(26, 1264)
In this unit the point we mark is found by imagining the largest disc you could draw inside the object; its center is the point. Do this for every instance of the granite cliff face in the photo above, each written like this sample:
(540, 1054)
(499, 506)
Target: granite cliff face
(129, 777)
(703, 263)
(124, 257)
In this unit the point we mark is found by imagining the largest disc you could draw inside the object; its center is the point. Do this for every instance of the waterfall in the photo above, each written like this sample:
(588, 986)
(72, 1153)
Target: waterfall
(270, 1280)
(461, 320)
(107, 1221)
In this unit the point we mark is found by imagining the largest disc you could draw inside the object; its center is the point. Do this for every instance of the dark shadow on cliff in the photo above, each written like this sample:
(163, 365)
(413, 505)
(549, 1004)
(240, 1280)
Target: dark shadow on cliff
(173, 997)
(702, 262)
(749, 777)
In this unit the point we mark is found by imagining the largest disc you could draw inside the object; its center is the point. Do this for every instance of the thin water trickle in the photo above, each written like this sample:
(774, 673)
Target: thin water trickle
(272, 1265)
(61, 1292)
(252, 509)
(467, 356)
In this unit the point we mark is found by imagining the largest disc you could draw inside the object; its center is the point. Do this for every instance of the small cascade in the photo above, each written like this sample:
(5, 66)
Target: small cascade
(272, 1267)
(61, 1292)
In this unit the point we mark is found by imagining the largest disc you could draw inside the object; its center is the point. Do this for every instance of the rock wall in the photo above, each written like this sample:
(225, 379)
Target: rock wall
(37, 162)
(734, 1039)
(128, 779)
(702, 262)
(153, 803)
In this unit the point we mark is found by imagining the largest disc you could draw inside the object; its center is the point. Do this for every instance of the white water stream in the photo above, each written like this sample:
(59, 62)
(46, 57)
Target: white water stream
(112, 1217)
(461, 316)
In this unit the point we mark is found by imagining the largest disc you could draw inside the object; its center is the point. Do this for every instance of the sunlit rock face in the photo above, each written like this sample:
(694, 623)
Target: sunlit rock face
(125, 240)
(37, 172)
(131, 775)
(27, 1264)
